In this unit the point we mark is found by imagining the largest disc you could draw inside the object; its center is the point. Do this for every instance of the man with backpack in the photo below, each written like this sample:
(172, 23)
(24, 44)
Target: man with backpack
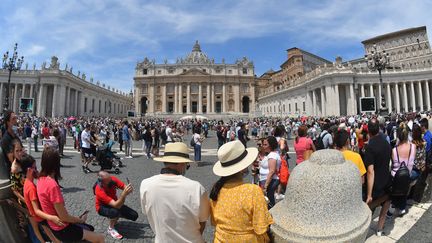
(325, 139)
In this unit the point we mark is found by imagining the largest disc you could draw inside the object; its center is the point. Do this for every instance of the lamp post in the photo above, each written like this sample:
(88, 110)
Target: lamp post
(11, 64)
(378, 61)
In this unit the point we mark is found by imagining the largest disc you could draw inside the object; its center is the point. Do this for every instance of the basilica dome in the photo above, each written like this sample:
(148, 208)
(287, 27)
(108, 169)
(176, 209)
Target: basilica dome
(196, 56)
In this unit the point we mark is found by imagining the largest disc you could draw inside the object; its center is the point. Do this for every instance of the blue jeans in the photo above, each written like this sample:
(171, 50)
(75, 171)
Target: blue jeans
(197, 152)
(148, 145)
(271, 189)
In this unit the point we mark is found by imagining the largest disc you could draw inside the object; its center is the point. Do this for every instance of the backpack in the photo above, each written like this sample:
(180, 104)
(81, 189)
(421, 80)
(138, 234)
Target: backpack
(402, 178)
(320, 142)
(163, 134)
(192, 142)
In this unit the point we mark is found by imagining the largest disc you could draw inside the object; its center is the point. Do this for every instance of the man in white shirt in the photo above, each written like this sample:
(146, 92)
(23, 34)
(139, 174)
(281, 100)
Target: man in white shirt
(169, 134)
(177, 208)
(85, 148)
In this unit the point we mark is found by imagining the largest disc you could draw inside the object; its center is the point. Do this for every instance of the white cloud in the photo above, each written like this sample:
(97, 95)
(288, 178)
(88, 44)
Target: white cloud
(103, 36)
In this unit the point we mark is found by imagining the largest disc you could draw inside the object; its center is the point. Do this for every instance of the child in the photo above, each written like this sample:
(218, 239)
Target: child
(37, 217)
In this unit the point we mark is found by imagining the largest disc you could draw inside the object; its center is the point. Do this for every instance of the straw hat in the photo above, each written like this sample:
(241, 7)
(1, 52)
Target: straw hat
(175, 153)
(233, 158)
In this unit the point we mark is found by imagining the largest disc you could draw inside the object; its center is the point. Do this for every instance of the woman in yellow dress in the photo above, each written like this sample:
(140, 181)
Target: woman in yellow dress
(238, 209)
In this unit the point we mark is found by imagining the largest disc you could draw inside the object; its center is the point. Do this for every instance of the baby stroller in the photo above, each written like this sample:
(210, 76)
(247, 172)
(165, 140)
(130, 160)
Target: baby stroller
(107, 158)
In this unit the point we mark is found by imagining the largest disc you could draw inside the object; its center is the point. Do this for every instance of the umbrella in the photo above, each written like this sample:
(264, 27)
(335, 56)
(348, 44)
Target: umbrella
(72, 118)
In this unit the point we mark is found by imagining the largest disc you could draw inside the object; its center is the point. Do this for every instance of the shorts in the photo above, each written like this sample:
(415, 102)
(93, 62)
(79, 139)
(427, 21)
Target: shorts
(87, 152)
(71, 233)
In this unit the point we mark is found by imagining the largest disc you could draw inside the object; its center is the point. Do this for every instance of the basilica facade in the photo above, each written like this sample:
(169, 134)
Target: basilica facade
(195, 84)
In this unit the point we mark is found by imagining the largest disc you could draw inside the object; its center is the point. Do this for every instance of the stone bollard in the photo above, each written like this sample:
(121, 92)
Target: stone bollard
(323, 202)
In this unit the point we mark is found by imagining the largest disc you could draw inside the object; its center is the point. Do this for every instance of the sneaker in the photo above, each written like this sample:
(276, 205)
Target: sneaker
(402, 213)
(114, 234)
(129, 157)
(278, 196)
(379, 233)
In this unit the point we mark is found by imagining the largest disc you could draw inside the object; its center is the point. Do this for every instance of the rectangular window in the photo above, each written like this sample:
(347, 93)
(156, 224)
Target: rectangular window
(218, 70)
(205, 70)
(171, 71)
(244, 70)
(145, 71)
(184, 70)
(159, 71)
(230, 71)
(304, 106)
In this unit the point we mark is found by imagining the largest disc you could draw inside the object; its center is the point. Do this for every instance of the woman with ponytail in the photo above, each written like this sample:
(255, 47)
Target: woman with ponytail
(238, 209)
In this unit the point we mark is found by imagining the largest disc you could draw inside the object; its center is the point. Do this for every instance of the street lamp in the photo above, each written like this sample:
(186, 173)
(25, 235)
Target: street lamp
(11, 64)
(378, 61)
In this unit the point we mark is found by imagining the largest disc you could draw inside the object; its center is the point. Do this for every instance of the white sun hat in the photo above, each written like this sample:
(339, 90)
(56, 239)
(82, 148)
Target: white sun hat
(175, 153)
(233, 158)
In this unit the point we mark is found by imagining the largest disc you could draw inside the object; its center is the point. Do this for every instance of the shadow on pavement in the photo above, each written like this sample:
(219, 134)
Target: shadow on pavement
(134, 230)
(72, 189)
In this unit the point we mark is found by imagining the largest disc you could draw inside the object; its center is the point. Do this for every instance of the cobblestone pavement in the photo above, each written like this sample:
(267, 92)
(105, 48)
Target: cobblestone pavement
(79, 196)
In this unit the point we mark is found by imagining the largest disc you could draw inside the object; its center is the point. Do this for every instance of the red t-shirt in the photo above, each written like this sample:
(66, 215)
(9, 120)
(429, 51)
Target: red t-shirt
(301, 146)
(104, 195)
(49, 193)
(30, 194)
(45, 132)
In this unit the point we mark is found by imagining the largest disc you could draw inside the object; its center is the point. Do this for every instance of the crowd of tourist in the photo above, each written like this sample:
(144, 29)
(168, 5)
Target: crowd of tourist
(393, 156)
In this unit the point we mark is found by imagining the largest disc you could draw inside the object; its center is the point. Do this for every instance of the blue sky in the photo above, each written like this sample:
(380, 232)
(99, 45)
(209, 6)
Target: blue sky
(105, 38)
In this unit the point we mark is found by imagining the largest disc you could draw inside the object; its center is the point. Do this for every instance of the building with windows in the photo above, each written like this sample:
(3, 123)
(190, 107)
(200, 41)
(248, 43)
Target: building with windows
(194, 84)
(336, 88)
(59, 92)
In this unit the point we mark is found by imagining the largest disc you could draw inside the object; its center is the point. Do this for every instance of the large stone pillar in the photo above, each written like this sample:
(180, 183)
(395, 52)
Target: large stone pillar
(413, 97)
(223, 98)
(15, 99)
(371, 90)
(353, 100)
(314, 105)
(304, 215)
(379, 96)
(55, 102)
(336, 97)
(180, 103)
(405, 97)
(389, 98)
(1, 96)
(67, 101)
(428, 101)
(398, 104)
(23, 90)
(188, 98)
(420, 95)
(323, 111)
(62, 100)
(175, 98)
(362, 90)
(213, 96)
(31, 90)
(200, 99)
(208, 98)
(77, 102)
(164, 98)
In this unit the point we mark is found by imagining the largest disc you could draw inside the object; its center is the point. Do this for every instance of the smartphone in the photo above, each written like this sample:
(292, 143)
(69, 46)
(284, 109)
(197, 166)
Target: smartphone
(85, 212)
(127, 179)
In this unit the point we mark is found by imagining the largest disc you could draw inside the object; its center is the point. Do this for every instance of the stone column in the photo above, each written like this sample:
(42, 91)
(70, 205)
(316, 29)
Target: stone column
(362, 90)
(223, 98)
(371, 90)
(1, 96)
(420, 95)
(398, 104)
(314, 106)
(323, 111)
(212, 98)
(164, 98)
(15, 99)
(208, 98)
(54, 103)
(62, 101)
(180, 104)
(389, 98)
(76, 103)
(67, 102)
(23, 90)
(199, 99)
(336, 97)
(353, 99)
(188, 98)
(379, 96)
(40, 100)
(413, 99)
(31, 90)
(405, 97)
(175, 98)
(428, 101)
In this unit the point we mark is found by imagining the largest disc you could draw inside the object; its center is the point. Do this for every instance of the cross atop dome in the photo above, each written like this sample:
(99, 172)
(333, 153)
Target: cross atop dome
(196, 47)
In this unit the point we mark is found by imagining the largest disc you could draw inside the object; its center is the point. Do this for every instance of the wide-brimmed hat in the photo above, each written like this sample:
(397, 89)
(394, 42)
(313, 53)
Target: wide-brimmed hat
(175, 153)
(234, 157)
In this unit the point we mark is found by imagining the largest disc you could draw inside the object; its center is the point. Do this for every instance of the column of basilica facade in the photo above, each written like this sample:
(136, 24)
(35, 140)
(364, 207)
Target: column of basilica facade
(194, 85)
(59, 93)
